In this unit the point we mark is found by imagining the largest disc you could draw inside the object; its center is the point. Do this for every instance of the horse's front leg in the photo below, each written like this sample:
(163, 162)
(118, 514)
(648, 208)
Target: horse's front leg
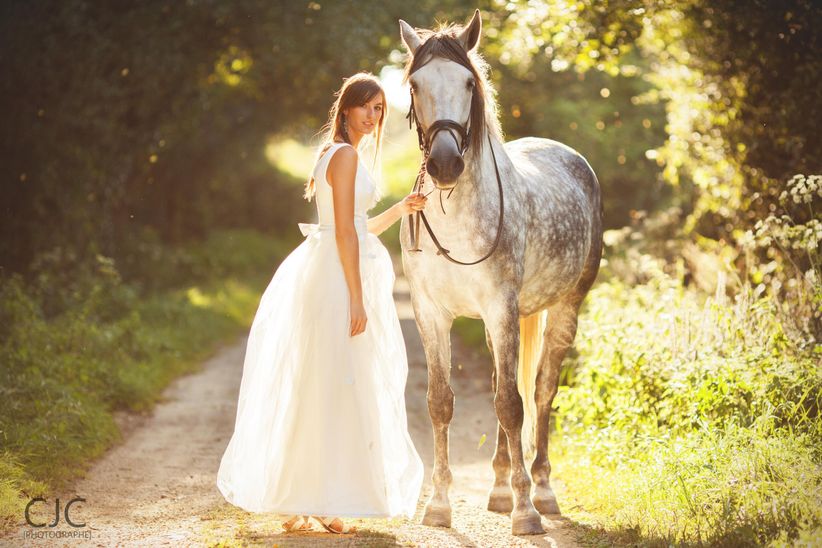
(502, 322)
(500, 499)
(434, 325)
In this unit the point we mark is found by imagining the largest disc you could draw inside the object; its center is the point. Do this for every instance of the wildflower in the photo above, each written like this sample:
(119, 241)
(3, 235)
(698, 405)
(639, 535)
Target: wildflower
(747, 240)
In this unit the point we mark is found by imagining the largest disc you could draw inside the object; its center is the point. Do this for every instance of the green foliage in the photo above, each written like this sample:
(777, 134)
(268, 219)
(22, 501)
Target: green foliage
(13, 482)
(710, 363)
(597, 114)
(789, 245)
(738, 81)
(122, 118)
(78, 344)
(689, 420)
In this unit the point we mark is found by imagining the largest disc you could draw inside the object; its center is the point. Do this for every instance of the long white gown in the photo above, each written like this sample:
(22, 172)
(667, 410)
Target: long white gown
(321, 426)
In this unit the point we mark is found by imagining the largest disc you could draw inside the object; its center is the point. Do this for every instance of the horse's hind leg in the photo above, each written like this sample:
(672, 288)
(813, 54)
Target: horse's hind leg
(434, 327)
(500, 499)
(558, 337)
(502, 320)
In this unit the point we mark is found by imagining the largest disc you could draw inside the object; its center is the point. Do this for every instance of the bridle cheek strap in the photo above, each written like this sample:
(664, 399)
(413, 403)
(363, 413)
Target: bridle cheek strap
(425, 139)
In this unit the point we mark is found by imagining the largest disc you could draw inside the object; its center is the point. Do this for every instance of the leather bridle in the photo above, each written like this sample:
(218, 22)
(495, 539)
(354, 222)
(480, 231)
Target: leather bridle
(425, 139)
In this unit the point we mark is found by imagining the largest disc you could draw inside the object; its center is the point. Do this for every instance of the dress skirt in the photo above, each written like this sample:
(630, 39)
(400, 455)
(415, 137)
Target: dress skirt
(321, 426)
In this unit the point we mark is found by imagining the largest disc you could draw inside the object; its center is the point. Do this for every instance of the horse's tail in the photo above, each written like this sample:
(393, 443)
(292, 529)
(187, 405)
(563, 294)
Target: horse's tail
(531, 329)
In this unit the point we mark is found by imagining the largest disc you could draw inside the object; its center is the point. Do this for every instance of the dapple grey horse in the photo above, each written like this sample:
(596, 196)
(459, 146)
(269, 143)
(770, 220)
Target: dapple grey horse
(527, 292)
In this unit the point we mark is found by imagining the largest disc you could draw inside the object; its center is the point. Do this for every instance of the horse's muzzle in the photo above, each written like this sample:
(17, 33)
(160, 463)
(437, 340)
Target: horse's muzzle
(444, 169)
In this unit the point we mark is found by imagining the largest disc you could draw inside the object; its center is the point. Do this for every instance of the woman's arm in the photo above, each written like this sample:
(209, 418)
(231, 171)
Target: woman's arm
(411, 203)
(379, 223)
(341, 174)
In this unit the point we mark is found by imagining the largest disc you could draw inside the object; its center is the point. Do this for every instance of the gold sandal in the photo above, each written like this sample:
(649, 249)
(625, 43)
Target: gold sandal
(297, 523)
(327, 524)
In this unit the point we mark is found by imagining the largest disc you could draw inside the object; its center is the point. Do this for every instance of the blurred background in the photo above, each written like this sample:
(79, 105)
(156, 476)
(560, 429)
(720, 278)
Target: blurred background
(153, 159)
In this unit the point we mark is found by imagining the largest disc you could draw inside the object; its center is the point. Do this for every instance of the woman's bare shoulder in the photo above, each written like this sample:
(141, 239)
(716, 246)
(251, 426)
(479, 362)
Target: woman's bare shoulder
(345, 151)
(343, 162)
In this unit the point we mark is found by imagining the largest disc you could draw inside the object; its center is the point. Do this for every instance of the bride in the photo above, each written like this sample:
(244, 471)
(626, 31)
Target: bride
(321, 427)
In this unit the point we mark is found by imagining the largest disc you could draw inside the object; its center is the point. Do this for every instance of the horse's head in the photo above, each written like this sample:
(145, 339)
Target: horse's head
(448, 100)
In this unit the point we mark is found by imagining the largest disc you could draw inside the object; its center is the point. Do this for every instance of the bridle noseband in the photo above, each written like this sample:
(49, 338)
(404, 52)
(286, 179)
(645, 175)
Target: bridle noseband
(425, 139)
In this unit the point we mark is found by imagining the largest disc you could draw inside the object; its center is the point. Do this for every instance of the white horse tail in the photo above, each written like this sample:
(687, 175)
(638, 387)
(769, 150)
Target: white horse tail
(531, 329)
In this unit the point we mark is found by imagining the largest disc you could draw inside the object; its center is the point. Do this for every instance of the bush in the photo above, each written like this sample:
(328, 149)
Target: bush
(78, 342)
(783, 252)
(689, 419)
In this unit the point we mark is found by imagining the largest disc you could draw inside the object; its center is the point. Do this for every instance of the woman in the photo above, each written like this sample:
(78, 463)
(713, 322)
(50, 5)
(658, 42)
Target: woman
(321, 428)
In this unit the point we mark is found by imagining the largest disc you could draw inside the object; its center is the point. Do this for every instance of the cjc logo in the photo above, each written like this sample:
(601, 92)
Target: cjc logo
(56, 512)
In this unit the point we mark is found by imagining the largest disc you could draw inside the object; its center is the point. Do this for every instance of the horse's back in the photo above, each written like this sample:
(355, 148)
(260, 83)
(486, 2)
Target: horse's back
(551, 160)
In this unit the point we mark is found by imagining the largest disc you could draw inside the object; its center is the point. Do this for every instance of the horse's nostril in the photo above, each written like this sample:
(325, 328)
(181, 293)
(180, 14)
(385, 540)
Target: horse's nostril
(457, 165)
(431, 167)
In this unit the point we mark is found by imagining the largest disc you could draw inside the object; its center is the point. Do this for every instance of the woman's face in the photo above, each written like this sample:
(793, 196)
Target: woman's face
(364, 118)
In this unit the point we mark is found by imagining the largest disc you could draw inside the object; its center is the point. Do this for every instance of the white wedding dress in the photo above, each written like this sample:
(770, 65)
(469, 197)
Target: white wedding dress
(321, 426)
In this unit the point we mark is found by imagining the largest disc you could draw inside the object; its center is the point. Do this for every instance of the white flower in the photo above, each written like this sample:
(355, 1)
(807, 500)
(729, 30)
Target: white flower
(747, 239)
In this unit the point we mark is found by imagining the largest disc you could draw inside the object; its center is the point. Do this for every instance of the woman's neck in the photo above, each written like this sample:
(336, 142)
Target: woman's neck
(354, 141)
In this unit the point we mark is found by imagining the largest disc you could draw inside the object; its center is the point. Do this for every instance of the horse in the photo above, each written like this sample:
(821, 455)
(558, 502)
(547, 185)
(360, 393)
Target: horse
(538, 267)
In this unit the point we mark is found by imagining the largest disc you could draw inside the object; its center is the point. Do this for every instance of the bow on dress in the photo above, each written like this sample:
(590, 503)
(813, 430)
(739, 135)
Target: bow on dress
(309, 229)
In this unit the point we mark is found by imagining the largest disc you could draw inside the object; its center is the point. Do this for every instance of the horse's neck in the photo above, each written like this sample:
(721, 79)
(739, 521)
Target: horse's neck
(479, 172)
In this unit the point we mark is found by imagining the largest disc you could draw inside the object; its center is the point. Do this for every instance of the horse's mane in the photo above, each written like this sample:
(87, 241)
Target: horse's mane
(443, 42)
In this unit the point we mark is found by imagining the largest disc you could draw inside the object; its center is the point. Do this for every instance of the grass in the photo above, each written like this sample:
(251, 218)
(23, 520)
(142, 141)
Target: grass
(110, 347)
(690, 421)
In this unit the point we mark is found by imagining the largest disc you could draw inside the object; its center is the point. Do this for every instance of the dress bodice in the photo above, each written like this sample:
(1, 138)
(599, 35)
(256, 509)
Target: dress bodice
(365, 190)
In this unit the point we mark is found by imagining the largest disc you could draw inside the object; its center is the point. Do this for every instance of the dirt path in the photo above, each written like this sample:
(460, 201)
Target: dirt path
(158, 488)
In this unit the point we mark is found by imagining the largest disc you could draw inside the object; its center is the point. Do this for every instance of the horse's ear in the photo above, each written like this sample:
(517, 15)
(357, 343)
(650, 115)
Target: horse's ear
(469, 38)
(409, 37)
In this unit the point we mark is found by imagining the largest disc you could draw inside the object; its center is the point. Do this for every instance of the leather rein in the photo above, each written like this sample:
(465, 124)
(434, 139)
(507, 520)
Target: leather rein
(425, 139)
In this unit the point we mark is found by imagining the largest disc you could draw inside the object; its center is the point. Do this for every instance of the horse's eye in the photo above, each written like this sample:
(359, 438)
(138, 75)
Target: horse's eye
(470, 84)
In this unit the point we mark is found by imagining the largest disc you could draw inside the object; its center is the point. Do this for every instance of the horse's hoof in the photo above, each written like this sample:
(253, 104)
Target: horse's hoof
(500, 501)
(547, 505)
(545, 501)
(437, 516)
(527, 523)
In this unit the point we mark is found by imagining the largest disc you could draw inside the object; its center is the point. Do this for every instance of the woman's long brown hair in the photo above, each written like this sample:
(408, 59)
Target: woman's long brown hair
(357, 90)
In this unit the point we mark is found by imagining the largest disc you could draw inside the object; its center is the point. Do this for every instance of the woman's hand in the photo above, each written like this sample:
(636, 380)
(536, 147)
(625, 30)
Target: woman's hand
(412, 203)
(358, 318)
